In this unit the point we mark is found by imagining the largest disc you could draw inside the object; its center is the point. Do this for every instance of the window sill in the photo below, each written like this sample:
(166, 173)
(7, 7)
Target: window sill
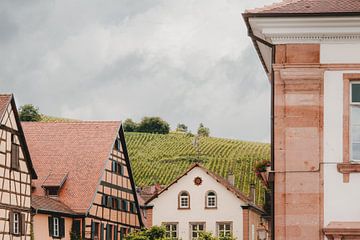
(210, 208)
(179, 208)
(347, 168)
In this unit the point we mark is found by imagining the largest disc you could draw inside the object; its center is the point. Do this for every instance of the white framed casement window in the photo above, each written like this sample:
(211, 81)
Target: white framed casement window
(16, 223)
(171, 230)
(56, 227)
(354, 120)
(196, 229)
(184, 200)
(211, 199)
(224, 229)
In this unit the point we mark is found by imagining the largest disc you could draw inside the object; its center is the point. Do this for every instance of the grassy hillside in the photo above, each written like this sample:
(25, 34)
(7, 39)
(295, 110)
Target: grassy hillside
(162, 158)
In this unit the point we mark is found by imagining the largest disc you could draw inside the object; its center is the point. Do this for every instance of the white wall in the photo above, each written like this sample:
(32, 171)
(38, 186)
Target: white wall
(228, 206)
(340, 52)
(341, 200)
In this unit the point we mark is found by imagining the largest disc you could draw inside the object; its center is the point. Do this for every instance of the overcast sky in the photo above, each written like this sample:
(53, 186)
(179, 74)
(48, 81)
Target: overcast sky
(187, 61)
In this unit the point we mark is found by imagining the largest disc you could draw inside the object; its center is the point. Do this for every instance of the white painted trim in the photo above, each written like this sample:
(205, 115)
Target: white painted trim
(282, 30)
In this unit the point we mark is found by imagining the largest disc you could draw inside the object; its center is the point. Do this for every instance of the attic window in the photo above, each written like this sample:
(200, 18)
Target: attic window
(117, 168)
(52, 191)
(14, 153)
(117, 145)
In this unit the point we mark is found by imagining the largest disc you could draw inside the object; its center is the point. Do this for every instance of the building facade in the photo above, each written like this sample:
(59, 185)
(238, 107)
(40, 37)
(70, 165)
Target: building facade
(85, 185)
(200, 200)
(311, 52)
(16, 174)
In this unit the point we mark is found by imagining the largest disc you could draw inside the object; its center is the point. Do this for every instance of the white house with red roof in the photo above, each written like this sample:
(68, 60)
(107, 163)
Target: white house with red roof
(199, 200)
(85, 184)
(310, 50)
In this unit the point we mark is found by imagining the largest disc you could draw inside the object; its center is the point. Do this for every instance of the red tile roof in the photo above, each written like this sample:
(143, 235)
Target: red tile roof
(43, 203)
(4, 102)
(55, 180)
(309, 7)
(218, 178)
(77, 148)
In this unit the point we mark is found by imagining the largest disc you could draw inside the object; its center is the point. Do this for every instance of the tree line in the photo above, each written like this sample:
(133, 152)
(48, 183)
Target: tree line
(30, 113)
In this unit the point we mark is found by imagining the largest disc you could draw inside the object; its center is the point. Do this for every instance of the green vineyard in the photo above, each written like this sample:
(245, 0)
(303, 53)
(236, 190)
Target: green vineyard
(158, 158)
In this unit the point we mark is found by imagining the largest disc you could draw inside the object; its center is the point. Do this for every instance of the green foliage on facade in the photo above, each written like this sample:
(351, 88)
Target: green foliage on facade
(153, 233)
(158, 158)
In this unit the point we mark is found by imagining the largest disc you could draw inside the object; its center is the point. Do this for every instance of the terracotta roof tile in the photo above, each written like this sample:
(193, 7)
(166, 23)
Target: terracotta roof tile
(4, 102)
(77, 148)
(54, 180)
(49, 204)
(309, 7)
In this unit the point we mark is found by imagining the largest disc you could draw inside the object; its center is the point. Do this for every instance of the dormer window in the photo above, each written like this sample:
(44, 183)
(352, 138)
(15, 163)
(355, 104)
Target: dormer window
(53, 184)
(184, 200)
(211, 200)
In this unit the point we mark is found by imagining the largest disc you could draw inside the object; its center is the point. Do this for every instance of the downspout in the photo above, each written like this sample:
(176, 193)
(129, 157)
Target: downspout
(256, 39)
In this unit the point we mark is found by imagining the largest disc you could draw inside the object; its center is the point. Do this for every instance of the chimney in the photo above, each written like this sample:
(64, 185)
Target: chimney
(231, 178)
(252, 193)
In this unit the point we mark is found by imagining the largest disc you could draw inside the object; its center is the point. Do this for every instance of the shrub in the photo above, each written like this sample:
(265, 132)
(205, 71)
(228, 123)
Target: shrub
(203, 131)
(29, 113)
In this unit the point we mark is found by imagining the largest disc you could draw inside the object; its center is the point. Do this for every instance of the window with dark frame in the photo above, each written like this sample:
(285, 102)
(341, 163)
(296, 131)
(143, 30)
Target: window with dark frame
(117, 168)
(17, 223)
(355, 121)
(56, 226)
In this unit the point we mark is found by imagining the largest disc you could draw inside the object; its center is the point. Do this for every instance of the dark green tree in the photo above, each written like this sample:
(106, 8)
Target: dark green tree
(203, 131)
(29, 113)
(153, 125)
(181, 127)
(153, 233)
(129, 125)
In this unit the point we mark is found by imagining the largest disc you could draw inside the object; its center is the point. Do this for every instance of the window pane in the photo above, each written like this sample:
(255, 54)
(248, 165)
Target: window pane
(355, 115)
(355, 92)
(355, 151)
(201, 227)
(355, 133)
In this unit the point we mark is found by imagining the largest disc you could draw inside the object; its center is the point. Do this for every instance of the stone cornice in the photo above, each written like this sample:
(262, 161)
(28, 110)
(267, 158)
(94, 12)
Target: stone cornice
(307, 30)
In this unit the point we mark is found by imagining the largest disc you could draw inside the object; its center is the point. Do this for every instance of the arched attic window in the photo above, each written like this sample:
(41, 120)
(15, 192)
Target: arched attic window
(211, 199)
(184, 200)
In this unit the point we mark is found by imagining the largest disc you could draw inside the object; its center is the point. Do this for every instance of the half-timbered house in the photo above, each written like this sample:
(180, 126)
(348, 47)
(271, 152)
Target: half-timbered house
(85, 184)
(16, 173)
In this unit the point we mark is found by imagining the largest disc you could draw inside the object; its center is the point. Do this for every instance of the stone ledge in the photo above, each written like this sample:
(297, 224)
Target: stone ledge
(347, 168)
(342, 230)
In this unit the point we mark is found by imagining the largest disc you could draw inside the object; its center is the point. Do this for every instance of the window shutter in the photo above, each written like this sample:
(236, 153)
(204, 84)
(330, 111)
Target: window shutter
(108, 231)
(109, 201)
(51, 225)
(113, 166)
(121, 169)
(103, 200)
(102, 231)
(121, 233)
(22, 224)
(61, 227)
(11, 222)
(115, 232)
(92, 229)
(14, 156)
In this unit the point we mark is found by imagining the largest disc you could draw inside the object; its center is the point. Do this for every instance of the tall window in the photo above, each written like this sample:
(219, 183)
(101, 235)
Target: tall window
(16, 223)
(211, 199)
(355, 121)
(56, 227)
(196, 229)
(184, 200)
(14, 153)
(171, 230)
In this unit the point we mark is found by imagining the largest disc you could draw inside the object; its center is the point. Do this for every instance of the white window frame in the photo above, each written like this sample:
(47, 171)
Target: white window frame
(225, 230)
(213, 197)
(352, 105)
(185, 198)
(56, 227)
(168, 234)
(197, 231)
(16, 223)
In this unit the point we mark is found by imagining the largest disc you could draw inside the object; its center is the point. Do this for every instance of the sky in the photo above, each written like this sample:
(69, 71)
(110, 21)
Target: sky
(187, 61)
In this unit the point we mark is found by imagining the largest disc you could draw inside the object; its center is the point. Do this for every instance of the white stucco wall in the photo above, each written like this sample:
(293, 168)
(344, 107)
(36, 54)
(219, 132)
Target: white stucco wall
(228, 206)
(340, 199)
